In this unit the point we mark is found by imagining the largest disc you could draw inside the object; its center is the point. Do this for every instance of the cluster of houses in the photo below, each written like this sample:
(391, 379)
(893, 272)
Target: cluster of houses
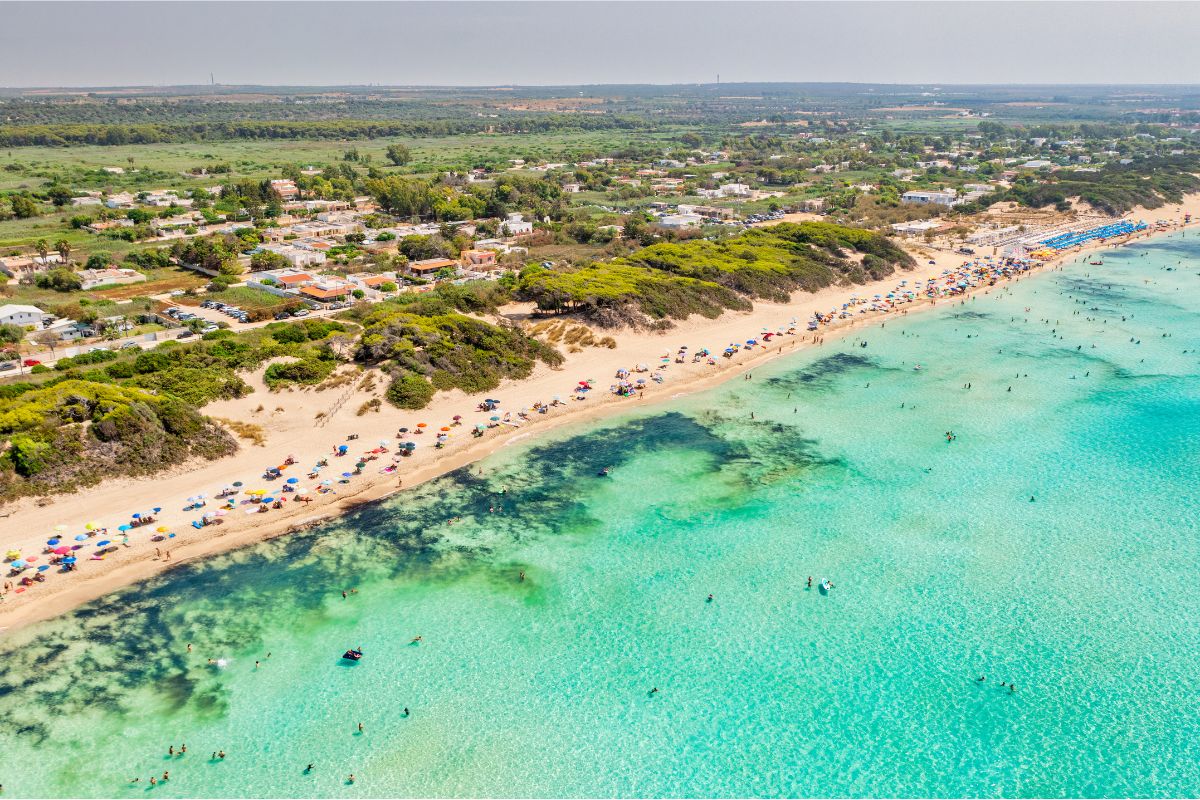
(34, 319)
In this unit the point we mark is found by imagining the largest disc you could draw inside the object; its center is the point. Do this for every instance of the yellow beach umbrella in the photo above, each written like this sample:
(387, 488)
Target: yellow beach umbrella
(162, 529)
(91, 526)
(12, 554)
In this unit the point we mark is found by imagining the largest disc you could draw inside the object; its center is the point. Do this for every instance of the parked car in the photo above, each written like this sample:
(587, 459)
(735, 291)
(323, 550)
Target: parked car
(130, 346)
(7, 365)
(186, 333)
(301, 312)
(209, 328)
(31, 362)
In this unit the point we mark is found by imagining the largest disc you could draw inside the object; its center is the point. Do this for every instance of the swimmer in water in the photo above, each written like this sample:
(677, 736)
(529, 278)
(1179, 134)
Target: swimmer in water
(710, 598)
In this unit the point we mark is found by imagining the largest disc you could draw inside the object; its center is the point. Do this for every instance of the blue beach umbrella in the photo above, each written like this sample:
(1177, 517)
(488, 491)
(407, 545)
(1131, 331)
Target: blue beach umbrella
(43, 568)
(293, 480)
(80, 538)
(346, 474)
(52, 542)
(156, 509)
(18, 564)
(124, 527)
(137, 516)
(69, 560)
(102, 544)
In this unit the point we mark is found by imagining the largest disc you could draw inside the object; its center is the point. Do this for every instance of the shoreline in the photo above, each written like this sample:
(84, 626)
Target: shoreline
(126, 567)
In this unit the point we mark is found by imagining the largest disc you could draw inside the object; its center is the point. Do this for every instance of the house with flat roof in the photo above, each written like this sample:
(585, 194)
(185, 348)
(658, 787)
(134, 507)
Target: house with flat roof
(930, 197)
(477, 259)
(91, 278)
(25, 266)
(515, 225)
(427, 268)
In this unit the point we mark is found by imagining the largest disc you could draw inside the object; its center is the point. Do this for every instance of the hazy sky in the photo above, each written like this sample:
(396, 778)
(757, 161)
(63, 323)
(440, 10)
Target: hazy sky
(488, 43)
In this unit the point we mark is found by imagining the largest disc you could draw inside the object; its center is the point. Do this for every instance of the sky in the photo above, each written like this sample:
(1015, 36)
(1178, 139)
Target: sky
(339, 42)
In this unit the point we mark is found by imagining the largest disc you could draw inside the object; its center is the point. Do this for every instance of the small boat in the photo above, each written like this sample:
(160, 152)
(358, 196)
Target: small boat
(826, 585)
(352, 655)
(603, 473)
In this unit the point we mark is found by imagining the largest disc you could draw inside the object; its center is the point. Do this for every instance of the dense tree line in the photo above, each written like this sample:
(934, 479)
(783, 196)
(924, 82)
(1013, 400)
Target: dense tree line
(123, 134)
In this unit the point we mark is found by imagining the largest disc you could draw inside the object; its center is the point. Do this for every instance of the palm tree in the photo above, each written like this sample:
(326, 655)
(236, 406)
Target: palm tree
(64, 249)
(42, 248)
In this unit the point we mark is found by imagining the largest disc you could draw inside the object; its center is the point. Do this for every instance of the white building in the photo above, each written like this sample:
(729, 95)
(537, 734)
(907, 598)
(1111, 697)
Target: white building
(515, 225)
(23, 316)
(915, 228)
(681, 221)
(296, 256)
(91, 278)
(939, 198)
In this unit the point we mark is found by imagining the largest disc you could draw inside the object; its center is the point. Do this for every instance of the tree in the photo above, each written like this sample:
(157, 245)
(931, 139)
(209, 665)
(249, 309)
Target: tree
(64, 250)
(46, 339)
(43, 248)
(23, 206)
(59, 195)
(11, 334)
(98, 261)
(399, 155)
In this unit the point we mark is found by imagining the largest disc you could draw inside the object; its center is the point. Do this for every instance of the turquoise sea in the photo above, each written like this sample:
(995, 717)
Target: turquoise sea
(1053, 544)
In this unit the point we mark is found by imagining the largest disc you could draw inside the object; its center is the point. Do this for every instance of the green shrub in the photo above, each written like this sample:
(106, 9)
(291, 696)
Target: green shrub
(409, 391)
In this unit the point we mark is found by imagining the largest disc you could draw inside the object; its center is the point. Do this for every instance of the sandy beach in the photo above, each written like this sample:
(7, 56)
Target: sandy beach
(309, 424)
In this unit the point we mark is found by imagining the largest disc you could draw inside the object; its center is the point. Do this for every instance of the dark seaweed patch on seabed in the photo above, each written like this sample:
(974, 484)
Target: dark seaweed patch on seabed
(1095, 290)
(821, 373)
(135, 640)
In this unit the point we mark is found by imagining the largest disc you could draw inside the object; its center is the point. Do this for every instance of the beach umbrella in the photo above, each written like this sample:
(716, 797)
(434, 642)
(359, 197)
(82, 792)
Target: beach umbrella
(422, 425)
(105, 543)
(481, 427)
(80, 538)
(124, 527)
(444, 428)
(326, 482)
(347, 474)
(18, 564)
(456, 417)
(11, 554)
(410, 445)
(404, 430)
(69, 560)
(494, 419)
(220, 512)
(161, 529)
(61, 551)
(53, 542)
(43, 568)
(293, 481)
(237, 484)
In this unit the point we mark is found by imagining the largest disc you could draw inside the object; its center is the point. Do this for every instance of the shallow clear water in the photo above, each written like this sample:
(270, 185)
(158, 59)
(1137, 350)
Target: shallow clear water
(1052, 544)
